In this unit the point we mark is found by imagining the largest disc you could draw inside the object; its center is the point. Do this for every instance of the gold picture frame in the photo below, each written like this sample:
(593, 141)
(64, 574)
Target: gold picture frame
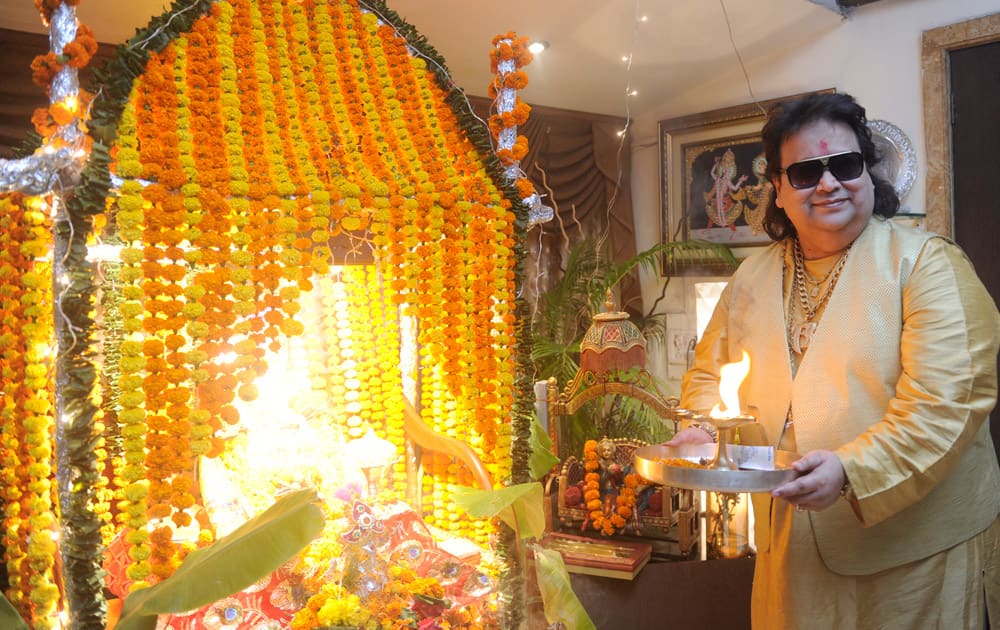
(712, 186)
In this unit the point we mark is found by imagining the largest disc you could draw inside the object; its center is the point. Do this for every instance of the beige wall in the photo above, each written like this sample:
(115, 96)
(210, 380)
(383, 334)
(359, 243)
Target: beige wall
(874, 55)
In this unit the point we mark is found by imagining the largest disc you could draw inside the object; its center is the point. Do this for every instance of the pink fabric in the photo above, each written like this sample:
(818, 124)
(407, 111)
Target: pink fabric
(272, 602)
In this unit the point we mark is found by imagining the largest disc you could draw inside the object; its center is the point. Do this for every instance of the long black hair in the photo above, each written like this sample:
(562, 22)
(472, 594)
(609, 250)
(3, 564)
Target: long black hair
(785, 119)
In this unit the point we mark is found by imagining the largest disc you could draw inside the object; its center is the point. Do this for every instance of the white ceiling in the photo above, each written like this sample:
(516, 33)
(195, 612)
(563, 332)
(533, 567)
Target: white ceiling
(677, 48)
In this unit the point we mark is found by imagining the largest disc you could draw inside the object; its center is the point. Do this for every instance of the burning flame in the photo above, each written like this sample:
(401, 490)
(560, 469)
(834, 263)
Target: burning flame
(731, 377)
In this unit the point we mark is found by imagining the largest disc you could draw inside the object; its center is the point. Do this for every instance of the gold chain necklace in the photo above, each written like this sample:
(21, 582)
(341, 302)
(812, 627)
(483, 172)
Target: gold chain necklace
(814, 285)
(800, 336)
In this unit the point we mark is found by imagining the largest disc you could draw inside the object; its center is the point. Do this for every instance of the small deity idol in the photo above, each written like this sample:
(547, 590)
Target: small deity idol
(612, 473)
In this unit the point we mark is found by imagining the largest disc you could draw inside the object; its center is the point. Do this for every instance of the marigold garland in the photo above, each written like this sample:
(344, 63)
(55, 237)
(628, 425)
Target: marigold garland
(26, 408)
(61, 125)
(506, 60)
(68, 113)
(132, 416)
(419, 271)
(607, 522)
(195, 291)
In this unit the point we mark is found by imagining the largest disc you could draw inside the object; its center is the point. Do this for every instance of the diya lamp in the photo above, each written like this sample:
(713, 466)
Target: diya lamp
(727, 420)
(729, 511)
(723, 470)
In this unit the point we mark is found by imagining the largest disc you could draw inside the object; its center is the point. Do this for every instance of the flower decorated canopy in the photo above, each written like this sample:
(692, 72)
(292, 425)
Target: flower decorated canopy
(253, 142)
(267, 167)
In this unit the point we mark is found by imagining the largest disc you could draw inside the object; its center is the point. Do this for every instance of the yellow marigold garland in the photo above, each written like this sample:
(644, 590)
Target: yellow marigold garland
(26, 408)
(336, 326)
(355, 348)
(132, 415)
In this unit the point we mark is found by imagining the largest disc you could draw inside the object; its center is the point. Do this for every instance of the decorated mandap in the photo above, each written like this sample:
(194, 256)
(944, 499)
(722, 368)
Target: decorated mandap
(261, 287)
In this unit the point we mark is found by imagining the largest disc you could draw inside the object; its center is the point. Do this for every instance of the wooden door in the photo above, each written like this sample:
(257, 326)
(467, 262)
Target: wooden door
(975, 107)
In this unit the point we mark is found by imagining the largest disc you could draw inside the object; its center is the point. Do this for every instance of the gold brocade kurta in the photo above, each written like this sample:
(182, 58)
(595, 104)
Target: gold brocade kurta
(898, 381)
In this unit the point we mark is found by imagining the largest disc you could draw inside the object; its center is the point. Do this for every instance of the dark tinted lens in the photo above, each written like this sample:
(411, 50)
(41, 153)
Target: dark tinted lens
(807, 173)
(804, 174)
(847, 166)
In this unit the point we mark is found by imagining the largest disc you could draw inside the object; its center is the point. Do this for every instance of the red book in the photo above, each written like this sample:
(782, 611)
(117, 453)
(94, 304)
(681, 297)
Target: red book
(607, 557)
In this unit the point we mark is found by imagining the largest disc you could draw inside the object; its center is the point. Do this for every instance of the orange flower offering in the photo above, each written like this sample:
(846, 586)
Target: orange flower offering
(679, 462)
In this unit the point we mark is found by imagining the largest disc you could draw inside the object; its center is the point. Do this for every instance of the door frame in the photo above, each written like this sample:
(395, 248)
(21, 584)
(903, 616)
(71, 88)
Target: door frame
(936, 44)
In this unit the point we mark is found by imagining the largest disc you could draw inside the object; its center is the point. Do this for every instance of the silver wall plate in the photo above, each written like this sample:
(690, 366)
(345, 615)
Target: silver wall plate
(899, 159)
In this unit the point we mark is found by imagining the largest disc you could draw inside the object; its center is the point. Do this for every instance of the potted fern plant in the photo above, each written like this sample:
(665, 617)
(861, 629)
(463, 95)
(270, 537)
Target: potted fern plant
(564, 313)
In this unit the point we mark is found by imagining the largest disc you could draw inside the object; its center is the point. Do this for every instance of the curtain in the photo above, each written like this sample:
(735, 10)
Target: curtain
(582, 167)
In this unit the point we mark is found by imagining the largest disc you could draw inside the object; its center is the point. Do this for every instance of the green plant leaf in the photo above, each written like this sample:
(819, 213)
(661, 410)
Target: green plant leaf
(520, 506)
(541, 460)
(558, 599)
(8, 616)
(231, 564)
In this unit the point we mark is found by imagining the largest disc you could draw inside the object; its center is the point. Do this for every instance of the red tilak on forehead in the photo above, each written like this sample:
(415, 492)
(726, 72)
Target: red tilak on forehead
(824, 147)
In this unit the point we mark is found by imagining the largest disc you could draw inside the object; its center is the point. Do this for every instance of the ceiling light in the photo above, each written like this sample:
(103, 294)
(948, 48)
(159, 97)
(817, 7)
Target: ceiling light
(633, 93)
(625, 58)
(537, 47)
(644, 18)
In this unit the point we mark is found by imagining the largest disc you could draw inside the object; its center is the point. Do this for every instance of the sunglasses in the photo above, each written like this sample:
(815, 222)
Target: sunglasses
(807, 173)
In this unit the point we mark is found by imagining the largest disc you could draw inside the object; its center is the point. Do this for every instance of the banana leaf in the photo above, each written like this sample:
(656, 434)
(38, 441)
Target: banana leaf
(231, 564)
(9, 618)
(520, 506)
(558, 599)
(541, 460)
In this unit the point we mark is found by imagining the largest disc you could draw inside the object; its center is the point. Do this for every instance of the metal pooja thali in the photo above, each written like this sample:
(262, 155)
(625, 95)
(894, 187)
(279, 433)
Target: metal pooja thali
(652, 463)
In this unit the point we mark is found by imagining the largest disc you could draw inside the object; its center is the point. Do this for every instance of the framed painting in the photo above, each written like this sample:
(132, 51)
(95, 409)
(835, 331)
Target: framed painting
(712, 176)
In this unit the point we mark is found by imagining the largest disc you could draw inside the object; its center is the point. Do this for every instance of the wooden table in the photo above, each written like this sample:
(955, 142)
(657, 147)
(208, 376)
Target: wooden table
(711, 594)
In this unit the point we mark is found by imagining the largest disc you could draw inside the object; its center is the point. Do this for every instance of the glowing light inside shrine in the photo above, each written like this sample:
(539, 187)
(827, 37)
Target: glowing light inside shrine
(372, 451)
(281, 442)
(290, 436)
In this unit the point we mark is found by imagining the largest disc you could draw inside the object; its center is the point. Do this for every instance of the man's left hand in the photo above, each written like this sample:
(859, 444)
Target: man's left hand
(817, 486)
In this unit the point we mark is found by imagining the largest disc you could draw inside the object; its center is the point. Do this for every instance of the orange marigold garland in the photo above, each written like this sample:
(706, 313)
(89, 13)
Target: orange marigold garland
(506, 60)
(62, 122)
(165, 373)
(606, 518)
